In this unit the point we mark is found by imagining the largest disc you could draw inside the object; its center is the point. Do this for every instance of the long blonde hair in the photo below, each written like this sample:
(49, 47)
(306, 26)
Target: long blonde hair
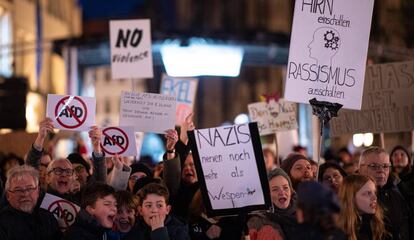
(350, 219)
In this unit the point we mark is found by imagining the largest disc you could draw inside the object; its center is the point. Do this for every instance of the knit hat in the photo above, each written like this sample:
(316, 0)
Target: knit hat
(287, 164)
(327, 165)
(279, 172)
(313, 195)
(77, 158)
(141, 167)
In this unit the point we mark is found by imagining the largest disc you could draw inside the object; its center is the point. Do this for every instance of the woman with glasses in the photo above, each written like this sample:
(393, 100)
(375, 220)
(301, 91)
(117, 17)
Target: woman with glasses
(331, 175)
(361, 216)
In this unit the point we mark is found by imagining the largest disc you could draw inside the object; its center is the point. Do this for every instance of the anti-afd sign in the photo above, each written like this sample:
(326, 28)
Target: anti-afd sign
(64, 211)
(328, 51)
(388, 102)
(131, 54)
(184, 89)
(273, 116)
(119, 140)
(230, 169)
(71, 112)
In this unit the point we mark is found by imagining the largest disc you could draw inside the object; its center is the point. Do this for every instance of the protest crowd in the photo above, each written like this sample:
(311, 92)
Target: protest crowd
(370, 197)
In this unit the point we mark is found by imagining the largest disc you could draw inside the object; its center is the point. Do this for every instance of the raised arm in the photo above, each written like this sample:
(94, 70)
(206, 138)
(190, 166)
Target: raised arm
(35, 153)
(98, 156)
(172, 166)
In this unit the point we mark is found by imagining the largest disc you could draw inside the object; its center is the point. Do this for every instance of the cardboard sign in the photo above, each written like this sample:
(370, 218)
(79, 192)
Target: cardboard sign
(388, 103)
(328, 51)
(230, 169)
(131, 54)
(273, 116)
(184, 89)
(71, 112)
(147, 112)
(64, 211)
(119, 140)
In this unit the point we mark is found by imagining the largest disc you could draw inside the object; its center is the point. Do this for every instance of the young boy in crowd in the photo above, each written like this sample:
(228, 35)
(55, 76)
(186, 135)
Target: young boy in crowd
(127, 205)
(96, 217)
(155, 222)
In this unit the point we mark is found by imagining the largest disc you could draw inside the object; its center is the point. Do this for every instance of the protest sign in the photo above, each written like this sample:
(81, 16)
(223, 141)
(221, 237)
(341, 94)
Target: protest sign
(131, 54)
(328, 51)
(147, 112)
(230, 169)
(71, 112)
(184, 89)
(273, 116)
(388, 103)
(64, 211)
(119, 140)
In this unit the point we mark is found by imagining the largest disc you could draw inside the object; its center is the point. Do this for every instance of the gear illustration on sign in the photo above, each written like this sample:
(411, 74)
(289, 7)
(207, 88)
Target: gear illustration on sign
(331, 40)
(329, 36)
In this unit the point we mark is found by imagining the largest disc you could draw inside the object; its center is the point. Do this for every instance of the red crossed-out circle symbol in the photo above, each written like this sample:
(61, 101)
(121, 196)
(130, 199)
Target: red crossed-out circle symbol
(107, 132)
(65, 106)
(66, 211)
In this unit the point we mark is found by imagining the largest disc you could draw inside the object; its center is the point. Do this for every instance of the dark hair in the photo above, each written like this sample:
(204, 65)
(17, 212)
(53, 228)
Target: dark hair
(153, 188)
(399, 147)
(327, 165)
(126, 199)
(93, 192)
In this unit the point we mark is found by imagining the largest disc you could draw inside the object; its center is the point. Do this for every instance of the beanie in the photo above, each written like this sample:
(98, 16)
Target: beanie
(77, 158)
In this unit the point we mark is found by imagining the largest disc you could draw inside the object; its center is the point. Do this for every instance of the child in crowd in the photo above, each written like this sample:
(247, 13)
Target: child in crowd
(155, 222)
(97, 215)
(127, 205)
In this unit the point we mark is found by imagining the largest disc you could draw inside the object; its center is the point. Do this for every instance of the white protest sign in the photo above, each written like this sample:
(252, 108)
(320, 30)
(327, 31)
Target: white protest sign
(230, 167)
(131, 54)
(64, 211)
(147, 112)
(119, 140)
(328, 51)
(388, 103)
(71, 112)
(184, 89)
(273, 116)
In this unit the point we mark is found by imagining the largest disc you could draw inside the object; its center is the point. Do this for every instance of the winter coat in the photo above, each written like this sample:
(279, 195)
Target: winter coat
(285, 218)
(18, 225)
(173, 229)
(86, 228)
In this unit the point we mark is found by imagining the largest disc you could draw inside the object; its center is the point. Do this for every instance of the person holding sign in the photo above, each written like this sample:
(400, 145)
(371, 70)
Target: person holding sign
(22, 218)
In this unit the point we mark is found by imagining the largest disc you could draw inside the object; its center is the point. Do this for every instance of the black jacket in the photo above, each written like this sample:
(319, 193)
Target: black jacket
(305, 231)
(285, 218)
(85, 228)
(173, 230)
(18, 225)
(396, 211)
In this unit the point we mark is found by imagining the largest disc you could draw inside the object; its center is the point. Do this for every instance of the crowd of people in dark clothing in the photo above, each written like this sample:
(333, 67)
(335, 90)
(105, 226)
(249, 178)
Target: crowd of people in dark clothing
(371, 197)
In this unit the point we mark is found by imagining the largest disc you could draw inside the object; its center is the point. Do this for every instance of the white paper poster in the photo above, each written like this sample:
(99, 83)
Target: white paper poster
(119, 140)
(272, 116)
(147, 112)
(184, 89)
(328, 51)
(71, 112)
(131, 54)
(230, 158)
(63, 210)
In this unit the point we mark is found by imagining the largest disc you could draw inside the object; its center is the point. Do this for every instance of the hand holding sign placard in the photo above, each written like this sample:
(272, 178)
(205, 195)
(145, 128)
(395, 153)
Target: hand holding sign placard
(147, 112)
(71, 112)
(230, 168)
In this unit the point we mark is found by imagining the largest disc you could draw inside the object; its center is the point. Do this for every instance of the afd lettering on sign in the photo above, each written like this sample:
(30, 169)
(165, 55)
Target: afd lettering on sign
(63, 210)
(119, 140)
(131, 52)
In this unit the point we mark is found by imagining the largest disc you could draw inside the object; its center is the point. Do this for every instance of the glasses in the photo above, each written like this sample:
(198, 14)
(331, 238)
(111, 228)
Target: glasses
(60, 171)
(135, 178)
(79, 168)
(19, 191)
(376, 166)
